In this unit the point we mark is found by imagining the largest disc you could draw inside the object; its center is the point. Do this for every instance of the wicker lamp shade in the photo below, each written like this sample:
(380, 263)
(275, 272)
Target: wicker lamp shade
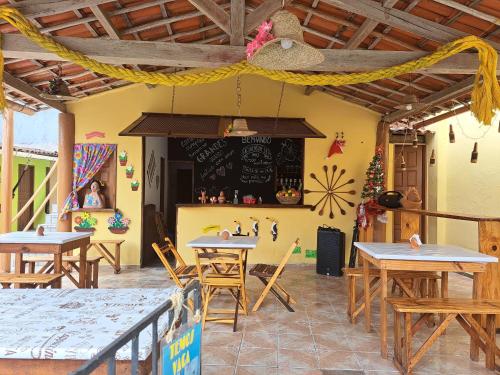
(287, 51)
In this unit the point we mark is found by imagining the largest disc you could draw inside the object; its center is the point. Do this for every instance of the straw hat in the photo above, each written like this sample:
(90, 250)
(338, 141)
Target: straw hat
(288, 50)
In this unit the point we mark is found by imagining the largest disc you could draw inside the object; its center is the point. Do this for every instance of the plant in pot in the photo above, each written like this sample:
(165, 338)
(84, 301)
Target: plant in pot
(134, 185)
(117, 223)
(129, 171)
(123, 158)
(85, 223)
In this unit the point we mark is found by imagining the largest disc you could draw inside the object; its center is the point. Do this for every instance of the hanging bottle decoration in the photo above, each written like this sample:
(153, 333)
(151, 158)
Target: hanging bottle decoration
(474, 155)
(432, 160)
(499, 126)
(452, 134)
(414, 142)
(337, 146)
(403, 163)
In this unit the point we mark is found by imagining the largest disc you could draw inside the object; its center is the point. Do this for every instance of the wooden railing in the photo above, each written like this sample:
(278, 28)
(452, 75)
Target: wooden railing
(32, 198)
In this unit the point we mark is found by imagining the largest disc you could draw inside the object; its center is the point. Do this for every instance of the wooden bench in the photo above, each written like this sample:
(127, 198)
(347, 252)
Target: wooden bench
(92, 271)
(466, 311)
(28, 280)
(102, 247)
(411, 283)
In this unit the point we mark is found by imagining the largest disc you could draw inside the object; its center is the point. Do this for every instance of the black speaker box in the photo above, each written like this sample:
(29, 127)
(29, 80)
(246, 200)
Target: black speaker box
(330, 251)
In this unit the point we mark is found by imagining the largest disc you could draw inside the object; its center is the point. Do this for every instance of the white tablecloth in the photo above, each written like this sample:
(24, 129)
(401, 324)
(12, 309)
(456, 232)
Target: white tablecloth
(75, 323)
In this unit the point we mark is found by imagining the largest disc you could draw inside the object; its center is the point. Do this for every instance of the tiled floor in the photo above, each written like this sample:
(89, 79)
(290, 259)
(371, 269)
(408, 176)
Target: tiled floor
(316, 339)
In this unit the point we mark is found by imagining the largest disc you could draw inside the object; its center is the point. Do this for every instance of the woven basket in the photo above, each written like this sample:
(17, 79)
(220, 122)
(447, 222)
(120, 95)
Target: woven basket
(288, 200)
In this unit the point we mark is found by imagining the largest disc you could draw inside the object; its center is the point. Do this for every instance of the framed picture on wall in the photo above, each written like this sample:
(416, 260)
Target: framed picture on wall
(151, 171)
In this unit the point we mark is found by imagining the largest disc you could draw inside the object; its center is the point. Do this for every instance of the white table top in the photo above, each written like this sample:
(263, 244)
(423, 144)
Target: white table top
(75, 323)
(216, 242)
(438, 253)
(53, 238)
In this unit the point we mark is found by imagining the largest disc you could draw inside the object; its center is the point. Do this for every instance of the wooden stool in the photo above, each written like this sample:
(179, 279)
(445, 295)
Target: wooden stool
(463, 310)
(411, 283)
(28, 280)
(92, 274)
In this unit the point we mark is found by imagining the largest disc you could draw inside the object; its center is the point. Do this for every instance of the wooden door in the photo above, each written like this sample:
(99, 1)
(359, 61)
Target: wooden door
(162, 185)
(180, 190)
(24, 192)
(414, 176)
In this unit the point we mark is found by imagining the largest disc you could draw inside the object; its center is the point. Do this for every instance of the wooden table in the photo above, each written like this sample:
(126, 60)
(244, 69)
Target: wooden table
(55, 331)
(56, 243)
(399, 256)
(113, 260)
(240, 244)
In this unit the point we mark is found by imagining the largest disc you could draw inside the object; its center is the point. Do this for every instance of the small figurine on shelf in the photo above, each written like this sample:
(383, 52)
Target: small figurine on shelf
(93, 197)
(134, 185)
(222, 197)
(203, 197)
(235, 199)
(123, 158)
(213, 199)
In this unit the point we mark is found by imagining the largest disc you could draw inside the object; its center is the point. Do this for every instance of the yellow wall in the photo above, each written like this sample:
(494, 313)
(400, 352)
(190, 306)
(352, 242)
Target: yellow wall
(460, 186)
(112, 112)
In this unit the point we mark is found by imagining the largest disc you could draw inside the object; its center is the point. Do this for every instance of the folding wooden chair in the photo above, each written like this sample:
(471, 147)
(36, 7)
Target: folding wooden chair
(160, 225)
(269, 275)
(214, 280)
(181, 273)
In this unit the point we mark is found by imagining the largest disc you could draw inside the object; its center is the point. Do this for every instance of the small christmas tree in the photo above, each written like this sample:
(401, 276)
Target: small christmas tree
(374, 184)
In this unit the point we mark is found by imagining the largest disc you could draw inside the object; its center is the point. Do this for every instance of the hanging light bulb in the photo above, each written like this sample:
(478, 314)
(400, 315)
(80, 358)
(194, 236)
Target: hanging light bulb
(432, 160)
(403, 163)
(475, 153)
(452, 134)
(286, 43)
(414, 142)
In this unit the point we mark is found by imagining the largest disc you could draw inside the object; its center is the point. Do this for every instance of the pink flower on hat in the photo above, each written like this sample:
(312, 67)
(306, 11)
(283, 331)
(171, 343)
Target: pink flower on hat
(263, 36)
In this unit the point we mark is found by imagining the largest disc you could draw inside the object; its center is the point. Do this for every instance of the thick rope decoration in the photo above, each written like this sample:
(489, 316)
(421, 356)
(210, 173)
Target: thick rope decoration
(485, 94)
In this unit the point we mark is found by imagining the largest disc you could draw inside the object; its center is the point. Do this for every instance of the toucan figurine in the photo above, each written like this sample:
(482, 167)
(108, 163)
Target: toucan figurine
(274, 227)
(237, 231)
(255, 226)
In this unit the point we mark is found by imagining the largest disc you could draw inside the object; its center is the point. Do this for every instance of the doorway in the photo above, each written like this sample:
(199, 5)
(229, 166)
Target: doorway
(180, 190)
(413, 176)
(25, 190)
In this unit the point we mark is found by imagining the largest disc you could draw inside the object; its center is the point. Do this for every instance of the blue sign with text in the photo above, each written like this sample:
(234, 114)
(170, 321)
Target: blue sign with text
(183, 355)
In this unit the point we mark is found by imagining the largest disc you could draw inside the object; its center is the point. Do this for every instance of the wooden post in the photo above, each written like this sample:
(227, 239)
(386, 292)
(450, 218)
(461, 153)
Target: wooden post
(6, 186)
(382, 140)
(489, 243)
(65, 165)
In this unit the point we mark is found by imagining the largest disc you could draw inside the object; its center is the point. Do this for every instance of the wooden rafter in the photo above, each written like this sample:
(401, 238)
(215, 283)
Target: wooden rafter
(439, 97)
(469, 10)
(35, 8)
(24, 88)
(237, 22)
(214, 12)
(401, 20)
(210, 56)
(105, 22)
(262, 13)
(366, 28)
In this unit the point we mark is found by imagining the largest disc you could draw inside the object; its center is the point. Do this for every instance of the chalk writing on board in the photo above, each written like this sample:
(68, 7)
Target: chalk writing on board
(289, 152)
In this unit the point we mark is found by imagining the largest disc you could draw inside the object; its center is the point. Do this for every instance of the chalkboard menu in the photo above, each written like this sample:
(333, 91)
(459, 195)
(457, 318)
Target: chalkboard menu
(251, 165)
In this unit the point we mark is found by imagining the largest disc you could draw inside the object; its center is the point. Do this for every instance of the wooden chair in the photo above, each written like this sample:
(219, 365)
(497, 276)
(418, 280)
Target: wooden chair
(269, 275)
(180, 273)
(410, 283)
(230, 278)
(160, 225)
(463, 310)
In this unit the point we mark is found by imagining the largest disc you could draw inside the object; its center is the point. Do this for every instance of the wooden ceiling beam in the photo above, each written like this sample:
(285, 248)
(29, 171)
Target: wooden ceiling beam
(237, 23)
(37, 8)
(262, 13)
(432, 100)
(210, 56)
(214, 12)
(473, 12)
(442, 116)
(105, 22)
(402, 20)
(25, 89)
(366, 28)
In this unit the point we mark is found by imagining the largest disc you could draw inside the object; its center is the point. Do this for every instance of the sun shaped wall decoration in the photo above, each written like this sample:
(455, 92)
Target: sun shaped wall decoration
(332, 192)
